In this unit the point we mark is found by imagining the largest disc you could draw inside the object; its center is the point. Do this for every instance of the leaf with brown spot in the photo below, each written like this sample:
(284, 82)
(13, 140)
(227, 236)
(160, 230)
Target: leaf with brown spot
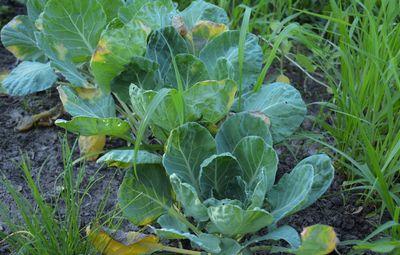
(133, 244)
(317, 240)
(204, 31)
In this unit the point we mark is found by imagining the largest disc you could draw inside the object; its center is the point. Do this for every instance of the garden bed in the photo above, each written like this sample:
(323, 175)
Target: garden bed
(42, 147)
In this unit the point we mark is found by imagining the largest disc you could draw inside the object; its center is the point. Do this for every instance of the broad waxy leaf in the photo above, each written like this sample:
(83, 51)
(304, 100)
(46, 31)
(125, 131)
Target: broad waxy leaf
(254, 156)
(191, 69)
(145, 198)
(204, 31)
(187, 147)
(140, 99)
(207, 242)
(165, 116)
(124, 158)
(323, 176)
(163, 45)
(35, 8)
(140, 71)
(217, 176)
(117, 45)
(87, 102)
(154, 14)
(207, 101)
(138, 244)
(225, 48)
(111, 8)
(318, 240)
(229, 247)
(18, 37)
(285, 233)
(61, 60)
(231, 220)
(142, 102)
(130, 10)
(78, 24)
(167, 221)
(188, 197)
(282, 104)
(88, 126)
(210, 100)
(29, 77)
(257, 197)
(201, 10)
(239, 126)
(285, 200)
(171, 228)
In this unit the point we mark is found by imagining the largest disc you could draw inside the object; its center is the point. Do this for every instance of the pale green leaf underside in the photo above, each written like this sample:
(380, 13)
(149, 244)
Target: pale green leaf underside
(282, 104)
(285, 233)
(207, 242)
(187, 147)
(284, 201)
(239, 126)
(144, 199)
(217, 176)
(231, 220)
(254, 156)
(225, 47)
(189, 199)
(323, 176)
(124, 158)
(29, 77)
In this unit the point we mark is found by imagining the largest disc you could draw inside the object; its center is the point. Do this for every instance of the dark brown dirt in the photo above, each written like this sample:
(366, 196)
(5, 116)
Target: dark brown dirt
(42, 147)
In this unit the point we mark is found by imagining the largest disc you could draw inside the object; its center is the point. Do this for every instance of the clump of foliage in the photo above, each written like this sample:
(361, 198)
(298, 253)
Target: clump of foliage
(180, 73)
(219, 192)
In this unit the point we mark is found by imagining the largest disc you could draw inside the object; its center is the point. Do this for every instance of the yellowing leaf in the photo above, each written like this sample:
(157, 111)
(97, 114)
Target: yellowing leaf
(15, 51)
(204, 31)
(101, 51)
(317, 240)
(136, 243)
(86, 93)
(283, 78)
(3, 75)
(92, 146)
(61, 51)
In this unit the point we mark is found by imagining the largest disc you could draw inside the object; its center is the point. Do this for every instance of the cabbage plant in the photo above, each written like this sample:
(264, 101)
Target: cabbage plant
(191, 73)
(218, 192)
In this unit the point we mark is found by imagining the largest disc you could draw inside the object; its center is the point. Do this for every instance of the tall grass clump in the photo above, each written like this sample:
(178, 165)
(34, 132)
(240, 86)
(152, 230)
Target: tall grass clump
(365, 82)
(42, 228)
